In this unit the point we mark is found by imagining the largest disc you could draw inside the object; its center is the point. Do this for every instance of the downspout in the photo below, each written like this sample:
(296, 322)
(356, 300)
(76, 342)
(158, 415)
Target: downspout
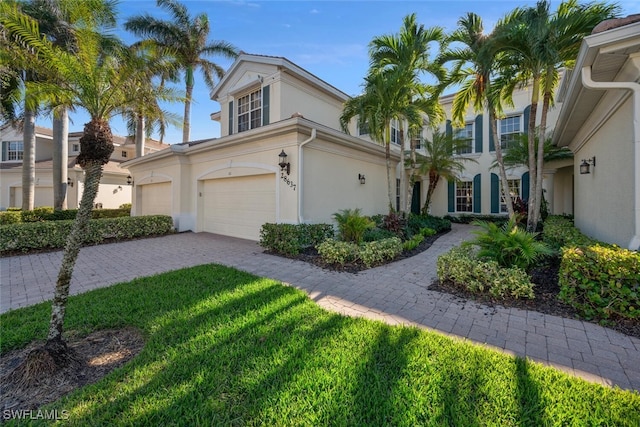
(300, 172)
(634, 244)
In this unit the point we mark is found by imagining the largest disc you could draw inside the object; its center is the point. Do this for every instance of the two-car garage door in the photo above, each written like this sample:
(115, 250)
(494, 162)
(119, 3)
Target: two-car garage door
(238, 206)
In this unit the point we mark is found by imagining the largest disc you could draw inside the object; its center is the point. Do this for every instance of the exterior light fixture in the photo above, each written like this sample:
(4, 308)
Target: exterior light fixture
(69, 182)
(129, 180)
(586, 165)
(361, 178)
(284, 165)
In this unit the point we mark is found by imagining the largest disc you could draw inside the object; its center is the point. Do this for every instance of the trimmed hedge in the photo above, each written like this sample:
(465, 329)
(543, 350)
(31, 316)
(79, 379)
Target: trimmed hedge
(370, 253)
(461, 267)
(49, 214)
(559, 231)
(290, 239)
(53, 234)
(469, 218)
(601, 282)
(416, 223)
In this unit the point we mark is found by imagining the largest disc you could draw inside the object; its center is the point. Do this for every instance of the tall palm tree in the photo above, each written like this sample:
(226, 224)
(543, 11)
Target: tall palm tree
(409, 53)
(385, 98)
(538, 44)
(440, 161)
(187, 37)
(96, 78)
(475, 59)
(517, 154)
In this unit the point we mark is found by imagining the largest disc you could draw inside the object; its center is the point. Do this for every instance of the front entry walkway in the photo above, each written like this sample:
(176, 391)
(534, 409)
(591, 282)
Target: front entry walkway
(396, 293)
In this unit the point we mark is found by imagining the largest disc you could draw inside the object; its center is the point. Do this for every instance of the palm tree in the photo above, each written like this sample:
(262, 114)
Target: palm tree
(538, 44)
(408, 52)
(187, 38)
(386, 97)
(474, 62)
(517, 154)
(95, 77)
(440, 162)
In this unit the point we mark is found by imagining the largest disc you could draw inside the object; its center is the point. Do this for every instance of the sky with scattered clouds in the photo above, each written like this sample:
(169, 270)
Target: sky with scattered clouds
(327, 38)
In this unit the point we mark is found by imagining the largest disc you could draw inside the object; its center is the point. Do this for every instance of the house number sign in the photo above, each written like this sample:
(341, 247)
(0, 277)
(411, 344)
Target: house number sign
(286, 179)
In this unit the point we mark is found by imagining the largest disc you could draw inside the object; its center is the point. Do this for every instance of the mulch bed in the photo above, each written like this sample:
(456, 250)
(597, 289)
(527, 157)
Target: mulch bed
(98, 354)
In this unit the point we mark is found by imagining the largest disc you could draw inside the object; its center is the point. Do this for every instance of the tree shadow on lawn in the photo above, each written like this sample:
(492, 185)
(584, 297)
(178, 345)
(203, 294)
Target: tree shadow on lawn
(246, 350)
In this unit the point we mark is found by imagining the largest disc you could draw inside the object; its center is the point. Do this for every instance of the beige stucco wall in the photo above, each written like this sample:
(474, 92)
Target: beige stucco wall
(604, 198)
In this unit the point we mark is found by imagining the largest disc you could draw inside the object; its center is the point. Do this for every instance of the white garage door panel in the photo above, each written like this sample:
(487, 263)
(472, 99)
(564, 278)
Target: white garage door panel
(239, 206)
(156, 199)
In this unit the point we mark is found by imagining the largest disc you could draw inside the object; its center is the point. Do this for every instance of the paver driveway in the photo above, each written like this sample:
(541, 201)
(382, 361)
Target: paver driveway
(396, 293)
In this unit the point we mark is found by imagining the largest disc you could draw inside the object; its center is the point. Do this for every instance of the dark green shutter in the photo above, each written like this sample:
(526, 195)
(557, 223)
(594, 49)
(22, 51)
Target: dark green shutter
(526, 114)
(525, 186)
(478, 133)
(448, 129)
(230, 117)
(5, 148)
(492, 144)
(495, 193)
(415, 198)
(265, 105)
(477, 194)
(451, 205)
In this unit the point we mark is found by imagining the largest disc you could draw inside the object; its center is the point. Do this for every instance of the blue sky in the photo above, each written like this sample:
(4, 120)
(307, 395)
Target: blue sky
(327, 38)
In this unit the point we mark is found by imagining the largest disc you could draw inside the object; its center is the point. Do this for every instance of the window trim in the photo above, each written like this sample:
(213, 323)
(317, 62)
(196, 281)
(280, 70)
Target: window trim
(513, 198)
(394, 124)
(250, 112)
(471, 139)
(520, 117)
(73, 148)
(6, 149)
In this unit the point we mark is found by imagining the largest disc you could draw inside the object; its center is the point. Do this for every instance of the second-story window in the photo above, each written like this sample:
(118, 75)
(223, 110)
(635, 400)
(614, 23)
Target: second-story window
(250, 111)
(465, 135)
(124, 154)
(75, 148)
(509, 131)
(12, 151)
(395, 132)
(363, 128)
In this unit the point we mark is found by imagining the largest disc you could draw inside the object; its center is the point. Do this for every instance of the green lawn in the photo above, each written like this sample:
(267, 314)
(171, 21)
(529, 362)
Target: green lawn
(228, 348)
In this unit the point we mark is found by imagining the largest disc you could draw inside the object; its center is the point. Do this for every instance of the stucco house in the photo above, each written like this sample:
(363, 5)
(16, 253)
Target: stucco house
(600, 122)
(280, 158)
(113, 190)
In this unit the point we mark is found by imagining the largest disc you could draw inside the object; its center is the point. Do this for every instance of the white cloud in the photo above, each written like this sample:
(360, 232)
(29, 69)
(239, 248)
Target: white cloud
(314, 11)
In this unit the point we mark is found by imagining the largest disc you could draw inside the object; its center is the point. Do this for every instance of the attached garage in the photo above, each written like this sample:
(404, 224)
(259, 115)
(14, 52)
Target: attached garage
(238, 206)
(155, 199)
(43, 196)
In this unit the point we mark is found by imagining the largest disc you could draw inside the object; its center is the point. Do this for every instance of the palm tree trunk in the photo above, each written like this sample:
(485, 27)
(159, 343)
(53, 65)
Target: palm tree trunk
(433, 183)
(93, 173)
(186, 124)
(29, 160)
(60, 159)
(403, 175)
(140, 135)
(533, 165)
(546, 101)
(501, 170)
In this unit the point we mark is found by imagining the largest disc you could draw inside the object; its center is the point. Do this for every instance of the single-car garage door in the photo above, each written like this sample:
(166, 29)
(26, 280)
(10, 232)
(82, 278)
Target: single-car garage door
(155, 199)
(239, 206)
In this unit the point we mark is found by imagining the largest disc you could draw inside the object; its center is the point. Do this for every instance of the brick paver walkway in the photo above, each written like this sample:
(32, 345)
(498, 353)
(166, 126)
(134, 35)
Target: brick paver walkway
(396, 293)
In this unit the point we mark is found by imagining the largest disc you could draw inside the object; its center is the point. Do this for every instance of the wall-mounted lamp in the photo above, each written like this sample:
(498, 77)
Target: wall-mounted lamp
(129, 180)
(361, 178)
(586, 164)
(120, 187)
(284, 165)
(69, 182)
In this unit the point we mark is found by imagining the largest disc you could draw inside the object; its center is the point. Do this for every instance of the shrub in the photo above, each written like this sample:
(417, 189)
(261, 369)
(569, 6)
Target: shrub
(372, 253)
(376, 233)
(559, 231)
(461, 267)
(427, 232)
(395, 223)
(468, 219)
(53, 234)
(37, 214)
(125, 206)
(290, 239)
(414, 242)
(601, 281)
(337, 252)
(352, 225)
(110, 213)
(61, 215)
(508, 245)
(10, 217)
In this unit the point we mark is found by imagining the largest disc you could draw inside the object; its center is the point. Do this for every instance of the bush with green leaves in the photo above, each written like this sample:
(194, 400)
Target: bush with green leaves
(290, 239)
(49, 214)
(338, 252)
(53, 234)
(427, 232)
(559, 231)
(508, 245)
(352, 225)
(461, 267)
(469, 218)
(125, 206)
(601, 281)
(395, 223)
(417, 222)
(376, 233)
(413, 243)
(10, 217)
(373, 253)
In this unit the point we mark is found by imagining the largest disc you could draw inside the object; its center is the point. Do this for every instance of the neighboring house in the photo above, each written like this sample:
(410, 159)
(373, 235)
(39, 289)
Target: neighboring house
(600, 123)
(234, 184)
(113, 190)
(478, 189)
